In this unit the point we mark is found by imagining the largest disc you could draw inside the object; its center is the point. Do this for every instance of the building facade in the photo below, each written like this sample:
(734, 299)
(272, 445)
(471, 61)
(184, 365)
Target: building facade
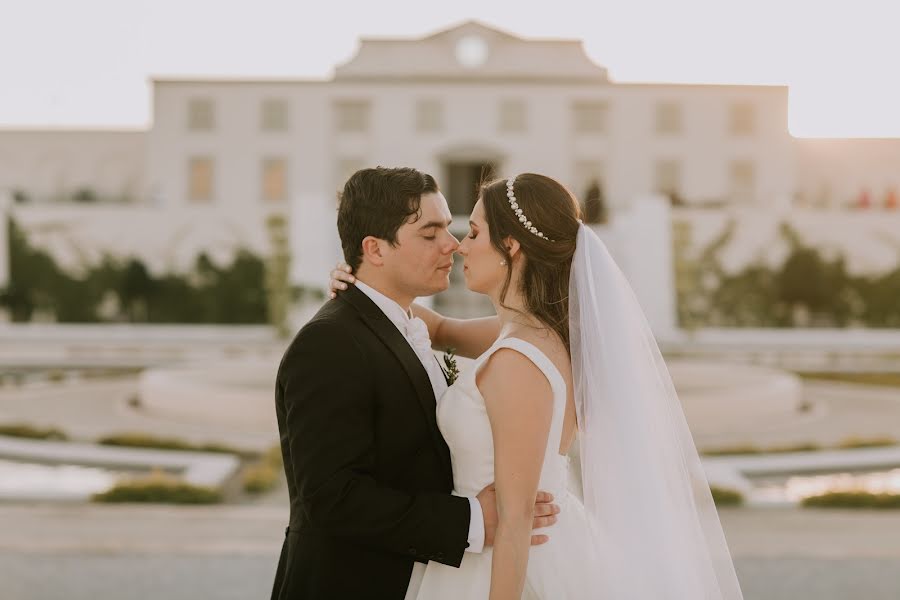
(463, 104)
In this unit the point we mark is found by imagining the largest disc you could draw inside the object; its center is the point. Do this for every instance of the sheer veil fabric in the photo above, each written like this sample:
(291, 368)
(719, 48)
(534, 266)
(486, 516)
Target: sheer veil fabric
(647, 498)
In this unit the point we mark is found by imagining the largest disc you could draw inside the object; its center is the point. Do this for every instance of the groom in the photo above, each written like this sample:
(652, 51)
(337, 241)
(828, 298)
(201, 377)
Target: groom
(368, 472)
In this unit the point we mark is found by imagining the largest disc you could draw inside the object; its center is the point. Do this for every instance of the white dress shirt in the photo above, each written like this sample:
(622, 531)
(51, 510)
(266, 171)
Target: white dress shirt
(422, 347)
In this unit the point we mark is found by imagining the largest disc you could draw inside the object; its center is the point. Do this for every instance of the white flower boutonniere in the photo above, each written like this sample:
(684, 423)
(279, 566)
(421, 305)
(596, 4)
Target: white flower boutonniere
(450, 369)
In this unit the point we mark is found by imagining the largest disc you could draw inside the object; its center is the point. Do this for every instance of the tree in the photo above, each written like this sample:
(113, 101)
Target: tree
(595, 204)
(85, 195)
(135, 290)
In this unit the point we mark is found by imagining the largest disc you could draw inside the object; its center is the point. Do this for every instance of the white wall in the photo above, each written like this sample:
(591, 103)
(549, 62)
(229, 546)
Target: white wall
(164, 239)
(869, 240)
(49, 163)
(705, 147)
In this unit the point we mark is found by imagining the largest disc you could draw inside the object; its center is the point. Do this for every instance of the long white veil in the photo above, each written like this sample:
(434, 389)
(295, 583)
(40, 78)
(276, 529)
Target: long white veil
(645, 491)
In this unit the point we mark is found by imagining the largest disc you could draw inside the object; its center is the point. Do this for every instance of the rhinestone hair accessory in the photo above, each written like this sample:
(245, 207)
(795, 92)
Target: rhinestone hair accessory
(510, 194)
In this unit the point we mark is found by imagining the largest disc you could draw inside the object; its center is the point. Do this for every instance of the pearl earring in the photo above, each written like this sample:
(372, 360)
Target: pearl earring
(502, 263)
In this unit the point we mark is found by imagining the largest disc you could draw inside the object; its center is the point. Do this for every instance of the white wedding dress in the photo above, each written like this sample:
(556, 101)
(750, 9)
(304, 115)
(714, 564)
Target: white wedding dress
(564, 568)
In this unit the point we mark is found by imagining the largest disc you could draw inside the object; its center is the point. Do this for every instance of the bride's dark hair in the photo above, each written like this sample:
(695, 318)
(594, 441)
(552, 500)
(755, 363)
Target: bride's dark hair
(554, 211)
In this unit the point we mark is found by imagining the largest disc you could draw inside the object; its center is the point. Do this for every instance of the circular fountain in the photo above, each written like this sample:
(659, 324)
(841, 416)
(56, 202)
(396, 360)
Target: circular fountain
(234, 393)
(717, 398)
(721, 398)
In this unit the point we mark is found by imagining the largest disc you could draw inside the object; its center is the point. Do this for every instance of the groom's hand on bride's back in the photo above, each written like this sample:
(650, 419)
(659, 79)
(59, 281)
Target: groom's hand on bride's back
(544, 514)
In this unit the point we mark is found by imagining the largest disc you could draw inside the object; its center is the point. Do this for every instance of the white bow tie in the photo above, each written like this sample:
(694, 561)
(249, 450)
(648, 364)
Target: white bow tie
(417, 334)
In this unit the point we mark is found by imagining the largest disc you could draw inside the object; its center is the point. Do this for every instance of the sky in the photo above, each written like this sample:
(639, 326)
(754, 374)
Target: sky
(87, 63)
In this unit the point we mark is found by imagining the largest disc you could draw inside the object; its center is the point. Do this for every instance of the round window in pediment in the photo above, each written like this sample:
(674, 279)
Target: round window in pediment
(471, 51)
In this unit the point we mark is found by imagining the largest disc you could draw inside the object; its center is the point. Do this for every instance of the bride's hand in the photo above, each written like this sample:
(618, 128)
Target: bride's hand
(341, 277)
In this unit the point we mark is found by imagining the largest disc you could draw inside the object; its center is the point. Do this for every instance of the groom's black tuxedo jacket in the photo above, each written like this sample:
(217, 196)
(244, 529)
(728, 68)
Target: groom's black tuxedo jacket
(368, 472)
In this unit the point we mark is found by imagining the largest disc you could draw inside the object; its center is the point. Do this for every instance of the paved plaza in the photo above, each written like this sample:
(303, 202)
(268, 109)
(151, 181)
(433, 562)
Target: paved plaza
(99, 552)
(84, 552)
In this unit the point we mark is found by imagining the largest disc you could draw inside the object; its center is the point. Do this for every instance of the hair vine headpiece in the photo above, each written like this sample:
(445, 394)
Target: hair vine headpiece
(513, 203)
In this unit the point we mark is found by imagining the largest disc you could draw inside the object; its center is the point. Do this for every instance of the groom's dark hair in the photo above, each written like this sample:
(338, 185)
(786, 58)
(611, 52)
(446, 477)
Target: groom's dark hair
(377, 202)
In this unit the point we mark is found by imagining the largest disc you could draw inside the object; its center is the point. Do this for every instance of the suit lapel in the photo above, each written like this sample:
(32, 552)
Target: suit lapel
(388, 333)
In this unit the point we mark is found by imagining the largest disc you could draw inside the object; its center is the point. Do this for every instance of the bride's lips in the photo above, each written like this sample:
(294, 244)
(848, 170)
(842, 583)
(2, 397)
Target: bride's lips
(446, 267)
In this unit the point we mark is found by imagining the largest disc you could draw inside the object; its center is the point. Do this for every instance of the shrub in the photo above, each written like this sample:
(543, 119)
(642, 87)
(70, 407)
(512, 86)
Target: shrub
(159, 488)
(28, 431)
(207, 293)
(732, 450)
(726, 497)
(750, 449)
(865, 378)
(273, 456)
(263, 475)
(802, 447)
(56, 376)
(260, 477)
(874, 442)
(143, 440)
(853, 500)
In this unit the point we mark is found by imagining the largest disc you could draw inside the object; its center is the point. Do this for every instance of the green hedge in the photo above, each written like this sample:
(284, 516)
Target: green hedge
(846, 444)
(806, 289)
(208, 293)
(265, 474)
(726, 497)
(28, 431)
(751, 449)
(143, 440)
(853, 500)
(866, 378)
(259, 478)
(158, 489)
(874, 442)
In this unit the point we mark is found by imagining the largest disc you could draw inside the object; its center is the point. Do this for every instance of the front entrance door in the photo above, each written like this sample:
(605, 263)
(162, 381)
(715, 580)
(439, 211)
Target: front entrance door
(462, 183)
(463, 180)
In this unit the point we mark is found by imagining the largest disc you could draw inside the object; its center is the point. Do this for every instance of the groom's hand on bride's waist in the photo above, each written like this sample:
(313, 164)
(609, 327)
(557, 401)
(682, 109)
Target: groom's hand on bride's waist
(544, 514)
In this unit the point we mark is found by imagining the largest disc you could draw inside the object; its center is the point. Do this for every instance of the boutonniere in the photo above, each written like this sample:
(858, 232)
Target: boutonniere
(450, 369)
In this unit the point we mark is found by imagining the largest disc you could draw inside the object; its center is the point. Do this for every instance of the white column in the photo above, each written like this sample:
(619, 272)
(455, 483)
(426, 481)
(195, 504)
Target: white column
(640, 240)
(651, 261)
(5, 209)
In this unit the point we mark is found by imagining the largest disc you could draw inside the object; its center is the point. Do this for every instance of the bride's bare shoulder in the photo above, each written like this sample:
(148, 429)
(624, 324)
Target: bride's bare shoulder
(509, 378)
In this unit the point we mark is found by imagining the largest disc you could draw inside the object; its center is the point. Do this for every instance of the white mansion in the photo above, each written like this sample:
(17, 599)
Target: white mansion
(221, 155)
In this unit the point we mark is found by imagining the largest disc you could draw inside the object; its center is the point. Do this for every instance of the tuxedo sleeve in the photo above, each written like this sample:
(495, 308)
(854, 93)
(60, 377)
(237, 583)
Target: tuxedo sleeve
(329, 404)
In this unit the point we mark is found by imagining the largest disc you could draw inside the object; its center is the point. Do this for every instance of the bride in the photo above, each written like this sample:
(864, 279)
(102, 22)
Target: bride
(569, 359)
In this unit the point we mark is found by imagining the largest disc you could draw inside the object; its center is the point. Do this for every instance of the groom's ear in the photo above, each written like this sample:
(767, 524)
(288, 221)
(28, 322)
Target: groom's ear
(371, 250)
(512, 245)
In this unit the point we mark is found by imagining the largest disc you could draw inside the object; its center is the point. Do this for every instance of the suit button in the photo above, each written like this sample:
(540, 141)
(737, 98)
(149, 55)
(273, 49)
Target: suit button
(412, 551)
(439, 556)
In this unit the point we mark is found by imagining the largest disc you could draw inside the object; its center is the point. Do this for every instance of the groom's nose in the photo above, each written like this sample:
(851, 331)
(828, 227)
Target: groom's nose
(452, 244)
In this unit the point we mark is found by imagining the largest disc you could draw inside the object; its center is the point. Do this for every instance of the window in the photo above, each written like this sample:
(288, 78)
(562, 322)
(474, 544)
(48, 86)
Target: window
(274, 179)
(512, 116)
(200, 179)
(668, 118)
(352, 115)
(429, 115)
(667, 179)
(590, 117)
(274, 115)
(742, 119)
(743, 180)
(201, 114)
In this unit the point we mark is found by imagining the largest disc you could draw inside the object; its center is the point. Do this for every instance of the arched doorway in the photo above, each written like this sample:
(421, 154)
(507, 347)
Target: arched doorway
(464, 169)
